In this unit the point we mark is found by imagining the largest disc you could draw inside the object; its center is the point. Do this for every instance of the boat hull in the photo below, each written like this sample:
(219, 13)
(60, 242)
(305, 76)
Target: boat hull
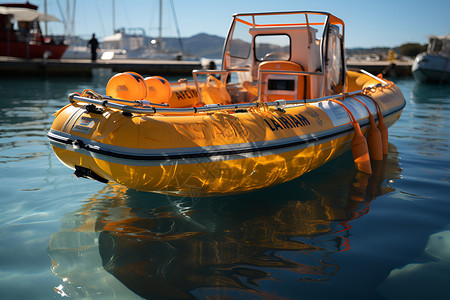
(214, 153)
(431, 68)
(19, 49)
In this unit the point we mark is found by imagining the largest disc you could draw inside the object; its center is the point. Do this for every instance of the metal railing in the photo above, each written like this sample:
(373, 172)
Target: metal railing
(139, 106)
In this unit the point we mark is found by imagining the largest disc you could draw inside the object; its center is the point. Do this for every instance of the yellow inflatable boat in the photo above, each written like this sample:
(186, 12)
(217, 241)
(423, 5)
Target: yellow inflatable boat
(283, 104)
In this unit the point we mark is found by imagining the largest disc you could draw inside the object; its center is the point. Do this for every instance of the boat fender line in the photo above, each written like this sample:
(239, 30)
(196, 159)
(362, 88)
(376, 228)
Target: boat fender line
(381, 126)
(359, 144)
(89, 174)
(374, 141)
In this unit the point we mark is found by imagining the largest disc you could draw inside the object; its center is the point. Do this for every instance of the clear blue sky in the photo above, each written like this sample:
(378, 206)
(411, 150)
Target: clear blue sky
(368, 23)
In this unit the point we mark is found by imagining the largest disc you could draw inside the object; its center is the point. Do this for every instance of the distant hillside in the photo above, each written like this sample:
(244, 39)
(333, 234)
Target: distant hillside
(378, 53)
(199, 45)
(408, 50)
(204, 45)
(356, 51)
(211, 46)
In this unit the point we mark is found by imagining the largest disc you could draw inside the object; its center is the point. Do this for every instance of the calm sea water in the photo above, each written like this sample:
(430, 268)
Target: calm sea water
(331, 234)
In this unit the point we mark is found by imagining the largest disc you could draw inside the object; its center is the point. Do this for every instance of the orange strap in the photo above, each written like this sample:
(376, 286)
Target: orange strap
(353, 120)
(362, 104)
(374, 102)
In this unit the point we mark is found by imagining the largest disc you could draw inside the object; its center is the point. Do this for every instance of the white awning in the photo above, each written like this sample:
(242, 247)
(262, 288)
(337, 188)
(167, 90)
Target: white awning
(26, 14)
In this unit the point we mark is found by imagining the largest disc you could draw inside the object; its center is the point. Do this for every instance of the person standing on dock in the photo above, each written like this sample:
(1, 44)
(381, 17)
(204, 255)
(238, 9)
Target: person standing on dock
(94, 46)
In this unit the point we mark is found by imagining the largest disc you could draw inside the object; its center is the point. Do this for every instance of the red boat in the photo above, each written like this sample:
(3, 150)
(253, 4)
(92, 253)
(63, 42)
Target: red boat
(21, 35)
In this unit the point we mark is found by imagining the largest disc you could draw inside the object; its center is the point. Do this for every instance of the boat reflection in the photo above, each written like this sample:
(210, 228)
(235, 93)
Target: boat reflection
(159, 246)
(430, 93)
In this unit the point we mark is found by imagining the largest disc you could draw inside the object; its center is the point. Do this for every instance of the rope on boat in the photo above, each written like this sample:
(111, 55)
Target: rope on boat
(359, 144)
(138, 106)
(381, 125)
(374, 141)
(146, 107)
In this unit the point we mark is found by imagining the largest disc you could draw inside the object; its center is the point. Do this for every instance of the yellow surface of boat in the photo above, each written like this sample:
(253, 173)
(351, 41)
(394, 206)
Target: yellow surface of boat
(257, 122)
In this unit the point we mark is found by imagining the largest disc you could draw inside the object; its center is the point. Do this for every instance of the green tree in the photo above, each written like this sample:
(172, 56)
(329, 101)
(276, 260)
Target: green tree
(411, 49)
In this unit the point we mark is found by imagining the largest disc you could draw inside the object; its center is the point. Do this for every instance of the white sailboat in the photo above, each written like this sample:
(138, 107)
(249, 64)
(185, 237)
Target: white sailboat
(128, 43)
(134, 43)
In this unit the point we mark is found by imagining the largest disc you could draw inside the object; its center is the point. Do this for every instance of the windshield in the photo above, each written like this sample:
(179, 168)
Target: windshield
(272, 47)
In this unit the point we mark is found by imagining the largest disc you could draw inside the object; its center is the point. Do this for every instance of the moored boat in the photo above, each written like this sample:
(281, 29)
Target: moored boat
(21, 35)
(283, 104)
(434, 64)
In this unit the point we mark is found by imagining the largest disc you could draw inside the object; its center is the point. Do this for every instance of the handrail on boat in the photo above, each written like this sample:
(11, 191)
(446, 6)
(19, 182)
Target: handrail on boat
(207, 108)
(139, 108)
(226, 72)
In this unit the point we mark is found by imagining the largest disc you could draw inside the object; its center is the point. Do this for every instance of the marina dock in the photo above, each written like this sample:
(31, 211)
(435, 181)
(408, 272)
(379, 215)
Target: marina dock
(387, 68)
(10, 66)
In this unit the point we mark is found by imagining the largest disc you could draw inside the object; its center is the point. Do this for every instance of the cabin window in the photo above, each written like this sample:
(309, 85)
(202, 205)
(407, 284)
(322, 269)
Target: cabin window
(436, 46)
(272, 47)
(335, 68)
(240, 44)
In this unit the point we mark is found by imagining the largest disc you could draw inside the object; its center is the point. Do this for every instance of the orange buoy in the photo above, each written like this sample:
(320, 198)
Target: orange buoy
(158, 89)
(359, 144)
(381, 127)
(126, 86)
(360, 151)
(374, 140)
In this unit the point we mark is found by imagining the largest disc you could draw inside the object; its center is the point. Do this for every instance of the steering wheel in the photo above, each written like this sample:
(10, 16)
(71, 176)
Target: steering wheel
(276, 56)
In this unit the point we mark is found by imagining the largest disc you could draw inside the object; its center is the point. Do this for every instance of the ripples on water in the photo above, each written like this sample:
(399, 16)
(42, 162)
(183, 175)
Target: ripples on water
(330, 234)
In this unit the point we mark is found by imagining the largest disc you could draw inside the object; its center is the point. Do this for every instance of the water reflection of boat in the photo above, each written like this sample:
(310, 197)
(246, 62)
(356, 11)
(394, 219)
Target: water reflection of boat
(174, 247)
(21, 35)
(429, 93)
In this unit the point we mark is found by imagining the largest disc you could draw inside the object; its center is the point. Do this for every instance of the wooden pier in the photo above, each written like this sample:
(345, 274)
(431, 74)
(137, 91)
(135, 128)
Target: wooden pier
(10, 66)
(387, 68)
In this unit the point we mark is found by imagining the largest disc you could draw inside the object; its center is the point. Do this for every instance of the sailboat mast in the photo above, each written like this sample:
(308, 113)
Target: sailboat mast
(66, 24)
(114, 16)
(180, 42)
(160, 25)
(72, 24)
(45, 11)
